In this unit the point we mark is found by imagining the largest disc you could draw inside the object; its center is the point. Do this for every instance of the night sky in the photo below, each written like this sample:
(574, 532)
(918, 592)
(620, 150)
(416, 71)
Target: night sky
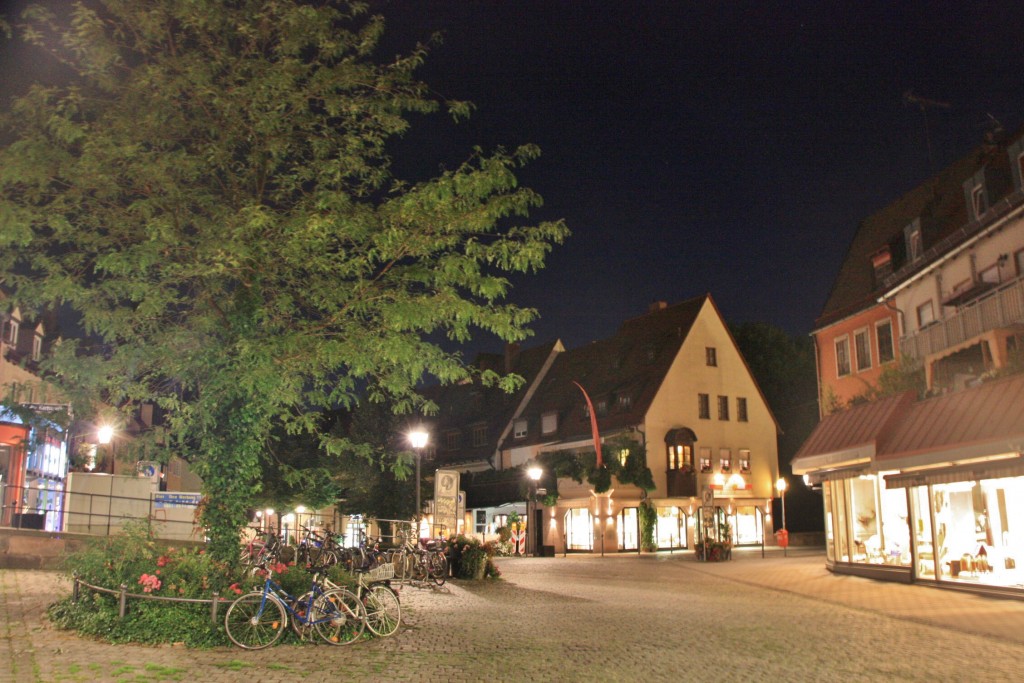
(696, 147)
(730, 148)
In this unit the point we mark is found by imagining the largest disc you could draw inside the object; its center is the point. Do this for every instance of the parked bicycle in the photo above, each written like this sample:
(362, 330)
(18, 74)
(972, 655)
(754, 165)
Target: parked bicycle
(258, 619)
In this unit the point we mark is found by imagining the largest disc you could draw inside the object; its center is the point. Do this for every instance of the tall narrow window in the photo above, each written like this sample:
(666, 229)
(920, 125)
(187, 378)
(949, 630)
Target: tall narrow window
(480, 435)
(704, 406)
(723, 407)
(744, 461)
(886, 350)
(862, 347)
(711, 356)
(519, 429)
(741, 409)
(912, 238)
(705, 459)
(725, 459)
(842, 356)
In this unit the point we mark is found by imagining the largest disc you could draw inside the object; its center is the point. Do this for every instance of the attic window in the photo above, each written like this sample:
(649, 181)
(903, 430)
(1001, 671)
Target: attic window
(602, 407)
(451, 440)
(519, 429)
(710, 356)
(625, 400)
(480, 435)
(978, 203)
(912, 237)
(37, 347)
(12, 332)
(549, 422)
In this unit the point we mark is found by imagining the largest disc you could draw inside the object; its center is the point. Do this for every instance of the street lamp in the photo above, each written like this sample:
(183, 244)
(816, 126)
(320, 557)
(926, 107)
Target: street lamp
(418, 440)
(534, 472)
(781, 486)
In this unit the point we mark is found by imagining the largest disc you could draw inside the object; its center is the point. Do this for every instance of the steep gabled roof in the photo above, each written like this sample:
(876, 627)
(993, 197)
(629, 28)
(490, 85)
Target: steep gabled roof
(939, 204)
(624, 372)
(463, 406)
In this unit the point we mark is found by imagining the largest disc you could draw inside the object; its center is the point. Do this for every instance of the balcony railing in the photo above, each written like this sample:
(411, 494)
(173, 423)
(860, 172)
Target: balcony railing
(998, 308)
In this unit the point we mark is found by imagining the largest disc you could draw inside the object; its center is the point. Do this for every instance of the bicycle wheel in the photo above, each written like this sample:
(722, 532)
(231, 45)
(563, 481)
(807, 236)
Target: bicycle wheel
(383, 611)
(338, 617)
(301, 618)
(253, 623)
(437, 564)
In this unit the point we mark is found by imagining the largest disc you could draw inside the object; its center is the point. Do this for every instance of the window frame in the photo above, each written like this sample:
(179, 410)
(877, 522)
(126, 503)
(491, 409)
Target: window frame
(479, 435)
(978, 203)
(520, 427)
(843, 341)
(927, 305)
(862, 334)
(744, 461)
(711, 356)
(704, 406)
(549, 419)
(705, 459)
(878, 342)
(723, 408)
(741, 409)
(725, 460)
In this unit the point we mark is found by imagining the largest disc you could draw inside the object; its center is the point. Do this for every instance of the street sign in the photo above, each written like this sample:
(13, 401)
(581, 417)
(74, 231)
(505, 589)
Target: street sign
(446, 501)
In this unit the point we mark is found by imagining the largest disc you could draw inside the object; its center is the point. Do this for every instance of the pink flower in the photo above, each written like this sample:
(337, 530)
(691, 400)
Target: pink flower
(149, 583)
(162, 561)
(234, 587)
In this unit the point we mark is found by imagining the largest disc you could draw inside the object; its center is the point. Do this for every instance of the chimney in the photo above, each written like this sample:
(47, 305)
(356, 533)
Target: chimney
(657, 306)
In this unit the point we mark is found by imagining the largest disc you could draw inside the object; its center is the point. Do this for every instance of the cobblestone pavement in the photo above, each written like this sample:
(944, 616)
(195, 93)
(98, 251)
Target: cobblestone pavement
(621, 618)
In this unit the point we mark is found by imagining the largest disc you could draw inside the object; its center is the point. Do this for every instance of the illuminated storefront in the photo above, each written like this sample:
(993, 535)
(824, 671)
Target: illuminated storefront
(932, 492)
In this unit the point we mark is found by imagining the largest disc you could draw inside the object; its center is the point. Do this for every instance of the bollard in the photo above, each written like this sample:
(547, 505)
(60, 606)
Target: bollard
(213, 607)
(123, 601)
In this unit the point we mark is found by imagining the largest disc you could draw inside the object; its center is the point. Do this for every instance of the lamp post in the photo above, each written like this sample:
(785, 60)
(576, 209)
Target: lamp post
(781, 486)
(418, 440)
(534, 473)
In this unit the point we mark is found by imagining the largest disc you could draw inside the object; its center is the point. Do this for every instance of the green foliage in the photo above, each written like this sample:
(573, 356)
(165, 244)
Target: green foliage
(648, 522)
(897, 378)
(211, 194)
(583, 466)
(471, 559)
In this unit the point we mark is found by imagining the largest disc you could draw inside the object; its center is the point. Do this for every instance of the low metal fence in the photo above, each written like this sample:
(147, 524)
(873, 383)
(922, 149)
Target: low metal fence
(122, 596)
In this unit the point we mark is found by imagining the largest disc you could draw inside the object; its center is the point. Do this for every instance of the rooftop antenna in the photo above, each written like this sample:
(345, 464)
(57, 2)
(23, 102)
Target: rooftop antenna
(909, 98)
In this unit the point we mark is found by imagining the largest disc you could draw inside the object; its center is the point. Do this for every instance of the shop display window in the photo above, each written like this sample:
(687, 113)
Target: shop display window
(579, 529)
(880, 533)
(627, 529)
(670, 528)
(978, 531)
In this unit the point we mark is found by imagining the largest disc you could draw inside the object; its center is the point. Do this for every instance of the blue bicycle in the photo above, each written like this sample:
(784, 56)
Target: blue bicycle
(257, 620)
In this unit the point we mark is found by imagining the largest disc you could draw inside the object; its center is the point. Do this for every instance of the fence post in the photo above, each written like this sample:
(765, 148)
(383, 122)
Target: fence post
(75, 588)
(122, 601)
(213, 607)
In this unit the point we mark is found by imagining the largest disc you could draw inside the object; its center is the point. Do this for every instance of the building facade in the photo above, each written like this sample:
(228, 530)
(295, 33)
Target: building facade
(922, 485)
(669, 386)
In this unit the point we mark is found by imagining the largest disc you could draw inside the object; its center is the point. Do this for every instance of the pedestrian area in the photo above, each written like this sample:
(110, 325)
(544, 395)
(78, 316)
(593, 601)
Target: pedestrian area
(585, 618)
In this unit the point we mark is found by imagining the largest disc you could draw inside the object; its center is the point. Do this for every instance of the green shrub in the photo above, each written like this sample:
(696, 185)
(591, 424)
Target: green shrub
(469, 555)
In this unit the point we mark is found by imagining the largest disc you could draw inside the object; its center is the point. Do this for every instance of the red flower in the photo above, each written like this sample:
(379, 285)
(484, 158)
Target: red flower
(234, 587)
(162, 561)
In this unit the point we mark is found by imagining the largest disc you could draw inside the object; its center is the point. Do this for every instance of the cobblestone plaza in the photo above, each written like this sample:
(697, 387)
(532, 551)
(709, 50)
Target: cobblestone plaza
(617, 618)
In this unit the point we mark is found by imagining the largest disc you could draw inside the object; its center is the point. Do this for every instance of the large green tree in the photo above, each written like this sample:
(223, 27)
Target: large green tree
(211, 192)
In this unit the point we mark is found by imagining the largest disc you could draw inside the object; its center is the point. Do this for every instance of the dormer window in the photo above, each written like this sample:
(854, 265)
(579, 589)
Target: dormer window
(625, 401)
(1016, 159)
(881, 262)
(519, 429)
(912, 238)
(37, 347)
(978, 206)
(976, 194)
(602, 407)
(11, 336)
